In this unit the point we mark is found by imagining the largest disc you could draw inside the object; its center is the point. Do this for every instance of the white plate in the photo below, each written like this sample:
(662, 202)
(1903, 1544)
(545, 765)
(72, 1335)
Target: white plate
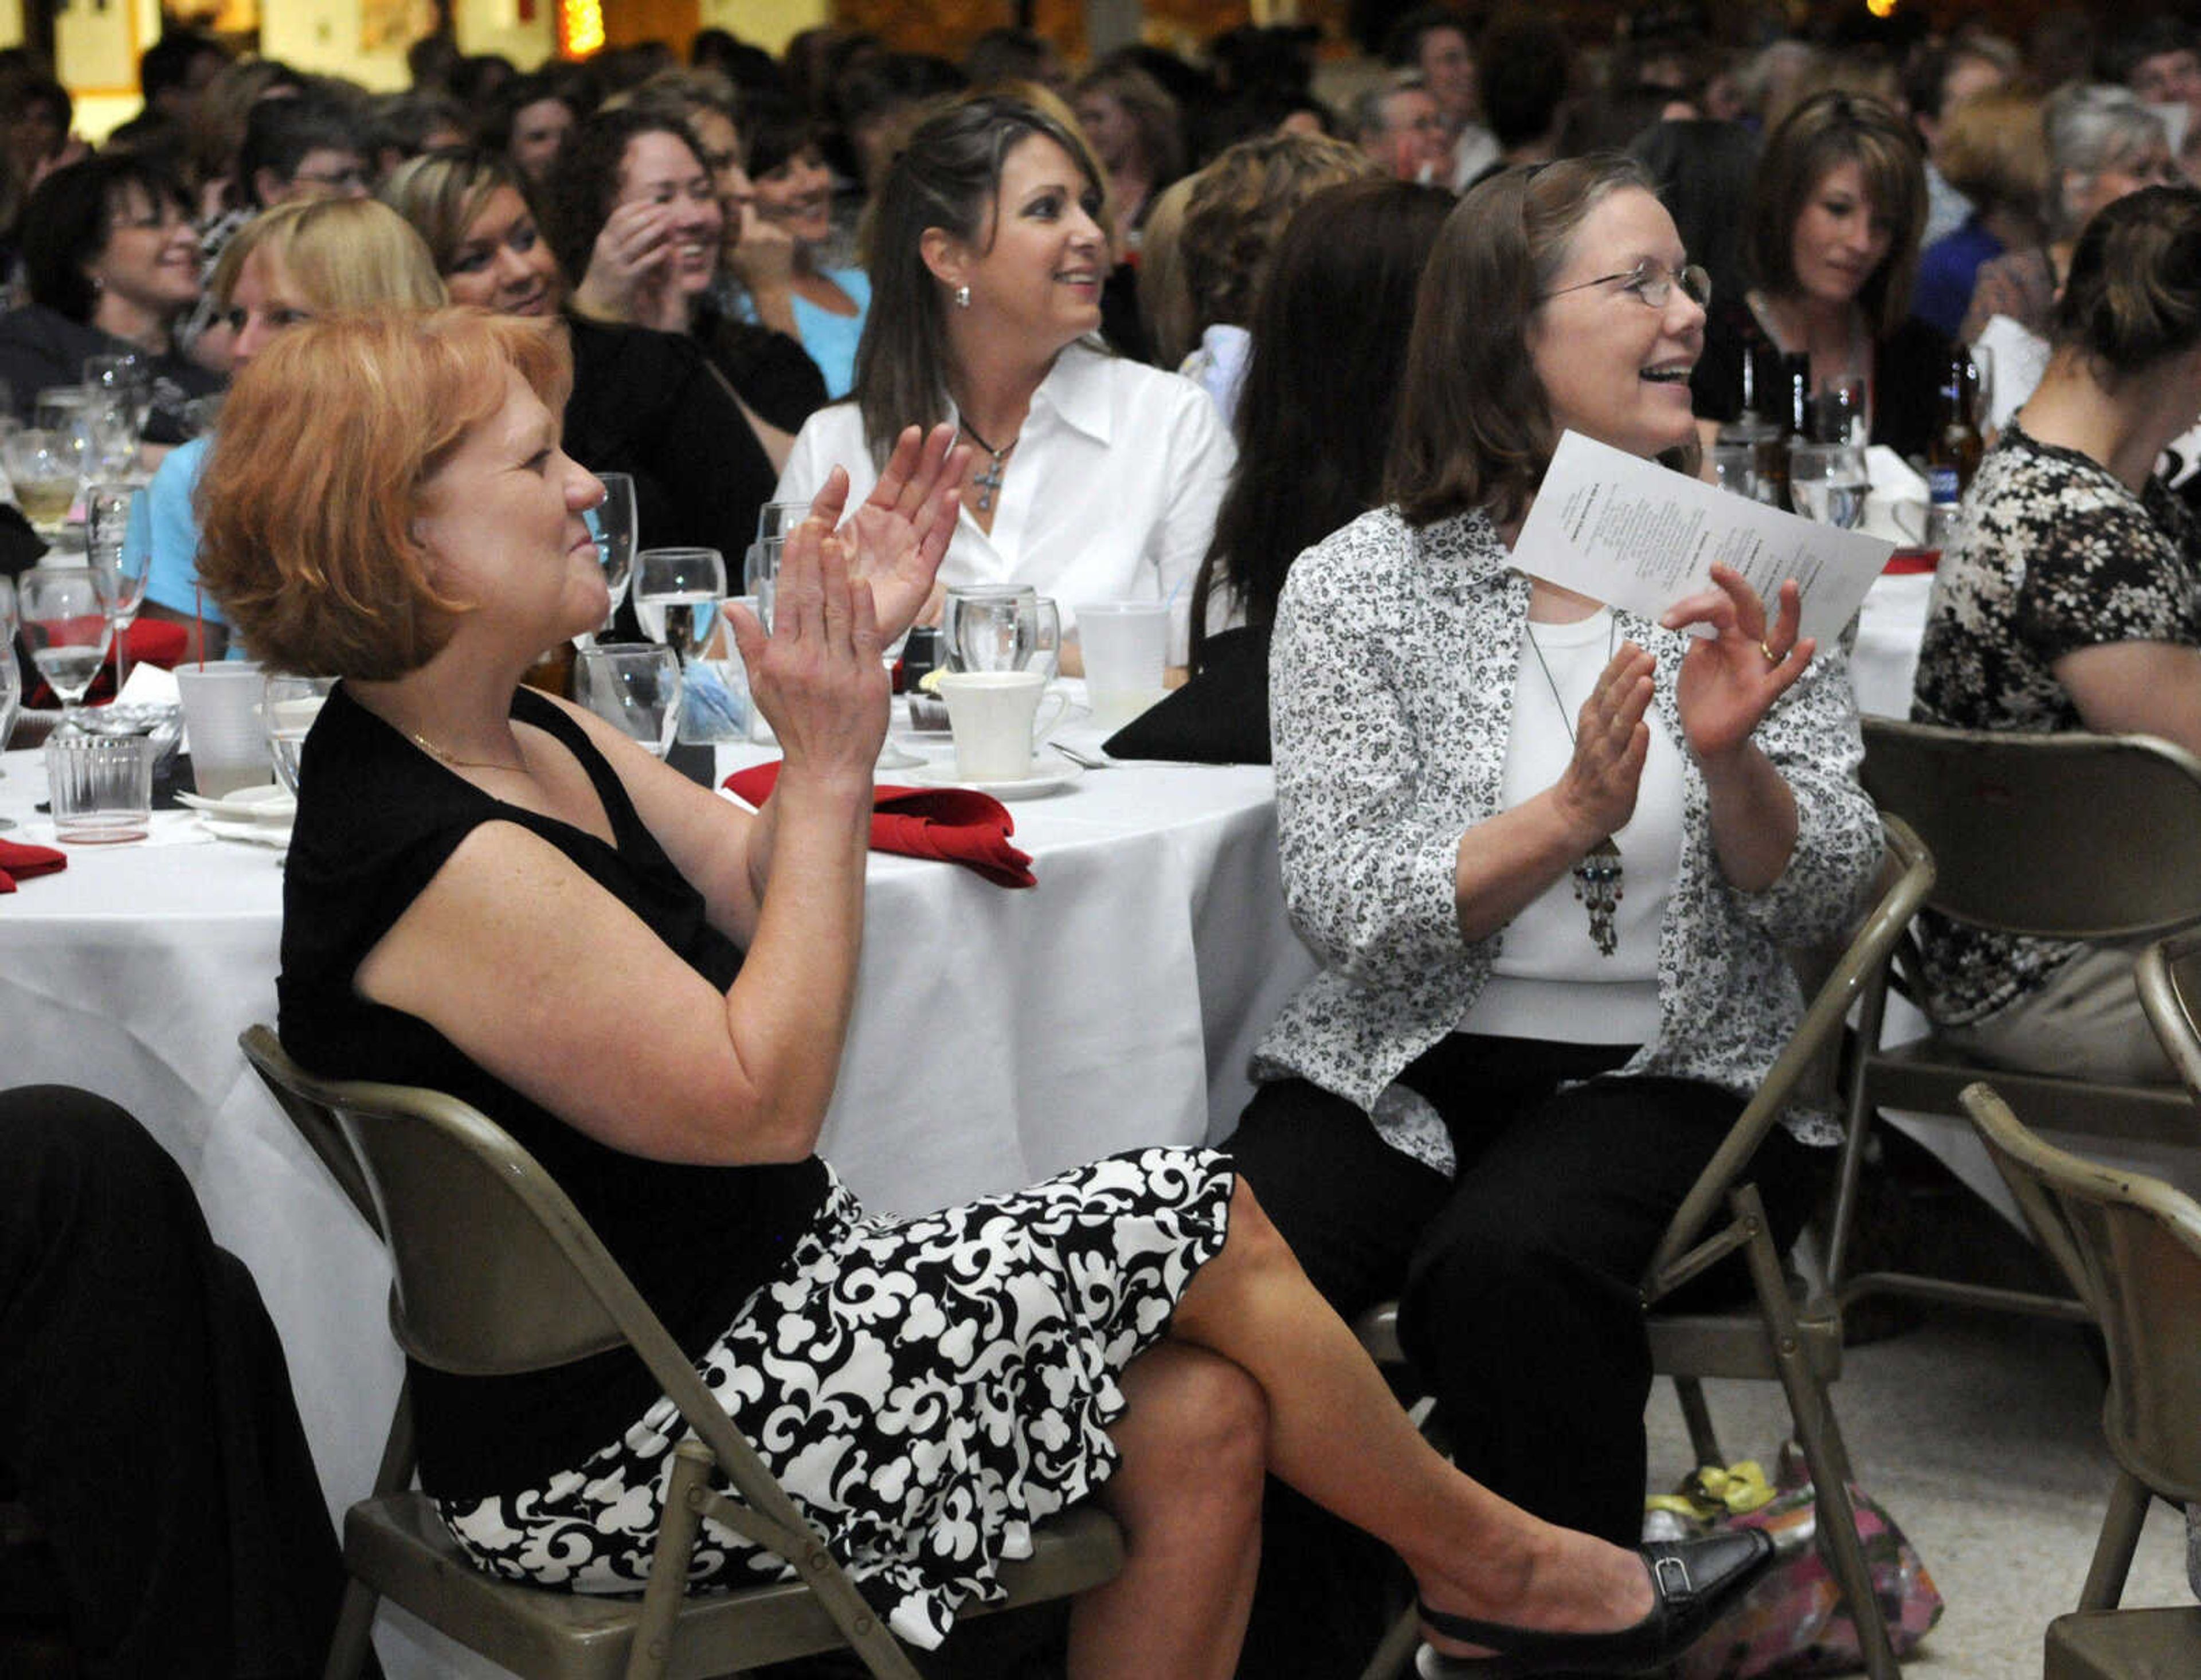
(272, 803)
(1042, 780)
(893, 756)
(252, 833)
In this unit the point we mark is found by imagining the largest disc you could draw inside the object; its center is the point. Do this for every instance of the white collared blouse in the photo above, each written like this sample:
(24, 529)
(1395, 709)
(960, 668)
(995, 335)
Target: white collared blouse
(1392, 675)
(1111, 493)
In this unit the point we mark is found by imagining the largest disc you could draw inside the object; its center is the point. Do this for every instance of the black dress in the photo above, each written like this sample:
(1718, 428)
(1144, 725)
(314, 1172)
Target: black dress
(42, 348)
(926, 1389)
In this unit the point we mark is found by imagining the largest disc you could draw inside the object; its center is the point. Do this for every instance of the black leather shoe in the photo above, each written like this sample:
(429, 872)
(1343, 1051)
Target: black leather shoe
(1691, 1582)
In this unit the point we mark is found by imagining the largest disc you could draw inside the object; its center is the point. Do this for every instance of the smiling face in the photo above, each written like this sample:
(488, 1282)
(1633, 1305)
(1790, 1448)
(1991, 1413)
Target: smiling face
(1613, 368)
(504, 264)
(660, 168)
(1040, 276)
(502, 524)
(150, 261)
(798, 195)
(1842, 237)
(538, 133)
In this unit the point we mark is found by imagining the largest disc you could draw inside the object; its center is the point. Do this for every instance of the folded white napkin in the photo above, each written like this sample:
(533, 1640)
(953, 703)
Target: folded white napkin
(149, 685)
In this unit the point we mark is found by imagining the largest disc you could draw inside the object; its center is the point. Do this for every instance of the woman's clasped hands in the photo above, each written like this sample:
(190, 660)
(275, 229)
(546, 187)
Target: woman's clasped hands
(1729, 680)
(816, 675)
(847, 589)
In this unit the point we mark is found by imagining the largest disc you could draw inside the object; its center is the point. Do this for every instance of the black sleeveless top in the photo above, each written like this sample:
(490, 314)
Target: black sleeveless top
(377, 818)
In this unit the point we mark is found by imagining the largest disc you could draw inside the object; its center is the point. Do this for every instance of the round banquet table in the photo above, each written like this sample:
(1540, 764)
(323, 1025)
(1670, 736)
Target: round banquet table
(998, 1036)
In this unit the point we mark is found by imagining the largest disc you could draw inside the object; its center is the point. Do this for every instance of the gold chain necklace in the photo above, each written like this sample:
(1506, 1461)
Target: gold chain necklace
(455, 762)
(1598, 884)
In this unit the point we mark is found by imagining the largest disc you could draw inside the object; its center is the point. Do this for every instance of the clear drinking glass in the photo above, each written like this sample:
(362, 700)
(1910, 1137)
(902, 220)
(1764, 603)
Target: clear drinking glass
(633, 686)
(612, 521)
(66, 628)
(774, 520)
(291, 704)
(676, 592)
(125, 376)
(1734, 468)
(1829, 483)
(761, 574)
(119, 550)
(1000, 628)
(43, 467)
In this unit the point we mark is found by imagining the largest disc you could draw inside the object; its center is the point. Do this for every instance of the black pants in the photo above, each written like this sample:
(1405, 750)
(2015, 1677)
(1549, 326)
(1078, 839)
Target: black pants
(145, 1411)
(1517, 1280)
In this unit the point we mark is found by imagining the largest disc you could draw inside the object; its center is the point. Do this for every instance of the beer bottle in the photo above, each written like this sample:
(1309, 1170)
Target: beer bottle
(1953, 448)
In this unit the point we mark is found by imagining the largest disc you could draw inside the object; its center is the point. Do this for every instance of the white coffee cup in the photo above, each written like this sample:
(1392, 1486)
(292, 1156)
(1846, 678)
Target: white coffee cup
(995, 718)
(1126, 648)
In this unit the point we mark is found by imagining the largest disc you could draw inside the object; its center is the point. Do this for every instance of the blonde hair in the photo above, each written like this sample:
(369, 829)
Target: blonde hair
(341, 254)
(309, 547)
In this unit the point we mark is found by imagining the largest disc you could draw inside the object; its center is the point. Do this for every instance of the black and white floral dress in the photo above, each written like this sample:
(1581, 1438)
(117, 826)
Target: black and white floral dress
(927, 1389)
(2053, 553)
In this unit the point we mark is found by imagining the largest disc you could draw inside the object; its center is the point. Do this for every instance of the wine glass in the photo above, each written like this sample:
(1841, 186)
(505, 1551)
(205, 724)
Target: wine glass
(611, 522)
(676, 592)
(634, 687)
(66, 628)
(1828, 482)
(124, 377)
(43, 467)
(291, 704)
(119, 549)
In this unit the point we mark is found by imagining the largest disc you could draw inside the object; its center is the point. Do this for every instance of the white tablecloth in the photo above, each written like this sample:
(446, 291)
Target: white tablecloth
(998, 1036)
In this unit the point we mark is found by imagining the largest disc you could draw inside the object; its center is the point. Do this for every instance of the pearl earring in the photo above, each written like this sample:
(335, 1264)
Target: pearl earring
(962, 297)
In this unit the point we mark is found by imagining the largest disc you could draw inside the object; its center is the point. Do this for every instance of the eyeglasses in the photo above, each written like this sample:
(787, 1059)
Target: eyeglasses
(1651, 284)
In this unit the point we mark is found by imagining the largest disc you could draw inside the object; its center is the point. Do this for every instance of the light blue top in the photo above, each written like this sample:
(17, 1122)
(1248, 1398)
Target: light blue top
(830, 339)
(172, 579)
(172, 582)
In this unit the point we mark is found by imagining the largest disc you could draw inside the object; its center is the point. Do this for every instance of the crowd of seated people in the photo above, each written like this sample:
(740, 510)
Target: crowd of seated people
(1294, 369)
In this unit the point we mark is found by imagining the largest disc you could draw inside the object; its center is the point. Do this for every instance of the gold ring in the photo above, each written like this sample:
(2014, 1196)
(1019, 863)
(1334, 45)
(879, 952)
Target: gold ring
(1771, 658)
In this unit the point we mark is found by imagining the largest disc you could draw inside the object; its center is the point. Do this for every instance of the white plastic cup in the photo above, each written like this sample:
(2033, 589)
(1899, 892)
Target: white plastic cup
(101, 786)
(1126, 648)
(993, 715)
(226, 726)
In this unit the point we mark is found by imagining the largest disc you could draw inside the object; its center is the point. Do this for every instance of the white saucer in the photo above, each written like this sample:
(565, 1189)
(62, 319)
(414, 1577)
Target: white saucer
(252, 833)
(272, 803)
(1045, 781)
(893, 756)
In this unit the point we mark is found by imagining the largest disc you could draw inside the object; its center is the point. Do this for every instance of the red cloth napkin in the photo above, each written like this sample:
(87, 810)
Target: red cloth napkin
(18, 861)
(953, 825)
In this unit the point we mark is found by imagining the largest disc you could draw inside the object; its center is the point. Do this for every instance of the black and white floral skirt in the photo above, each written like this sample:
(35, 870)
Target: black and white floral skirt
(925, 1389)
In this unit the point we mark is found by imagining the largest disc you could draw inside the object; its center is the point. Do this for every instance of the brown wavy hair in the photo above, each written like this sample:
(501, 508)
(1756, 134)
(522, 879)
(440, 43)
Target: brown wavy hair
(2133, 294)
(310, 548)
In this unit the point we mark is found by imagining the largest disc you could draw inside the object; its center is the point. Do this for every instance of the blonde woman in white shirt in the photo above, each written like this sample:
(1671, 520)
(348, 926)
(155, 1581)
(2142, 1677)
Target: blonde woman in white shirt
(1092, 478)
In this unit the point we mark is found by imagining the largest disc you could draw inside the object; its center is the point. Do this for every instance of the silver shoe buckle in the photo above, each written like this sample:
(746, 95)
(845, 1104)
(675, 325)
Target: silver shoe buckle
(1673, 1577)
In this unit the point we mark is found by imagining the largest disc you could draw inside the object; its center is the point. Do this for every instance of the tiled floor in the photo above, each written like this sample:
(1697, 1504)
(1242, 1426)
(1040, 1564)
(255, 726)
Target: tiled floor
(1981, 1434)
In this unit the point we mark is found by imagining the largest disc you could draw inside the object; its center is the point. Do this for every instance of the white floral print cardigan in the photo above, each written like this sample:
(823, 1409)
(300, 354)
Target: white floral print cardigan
(1392, 673)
